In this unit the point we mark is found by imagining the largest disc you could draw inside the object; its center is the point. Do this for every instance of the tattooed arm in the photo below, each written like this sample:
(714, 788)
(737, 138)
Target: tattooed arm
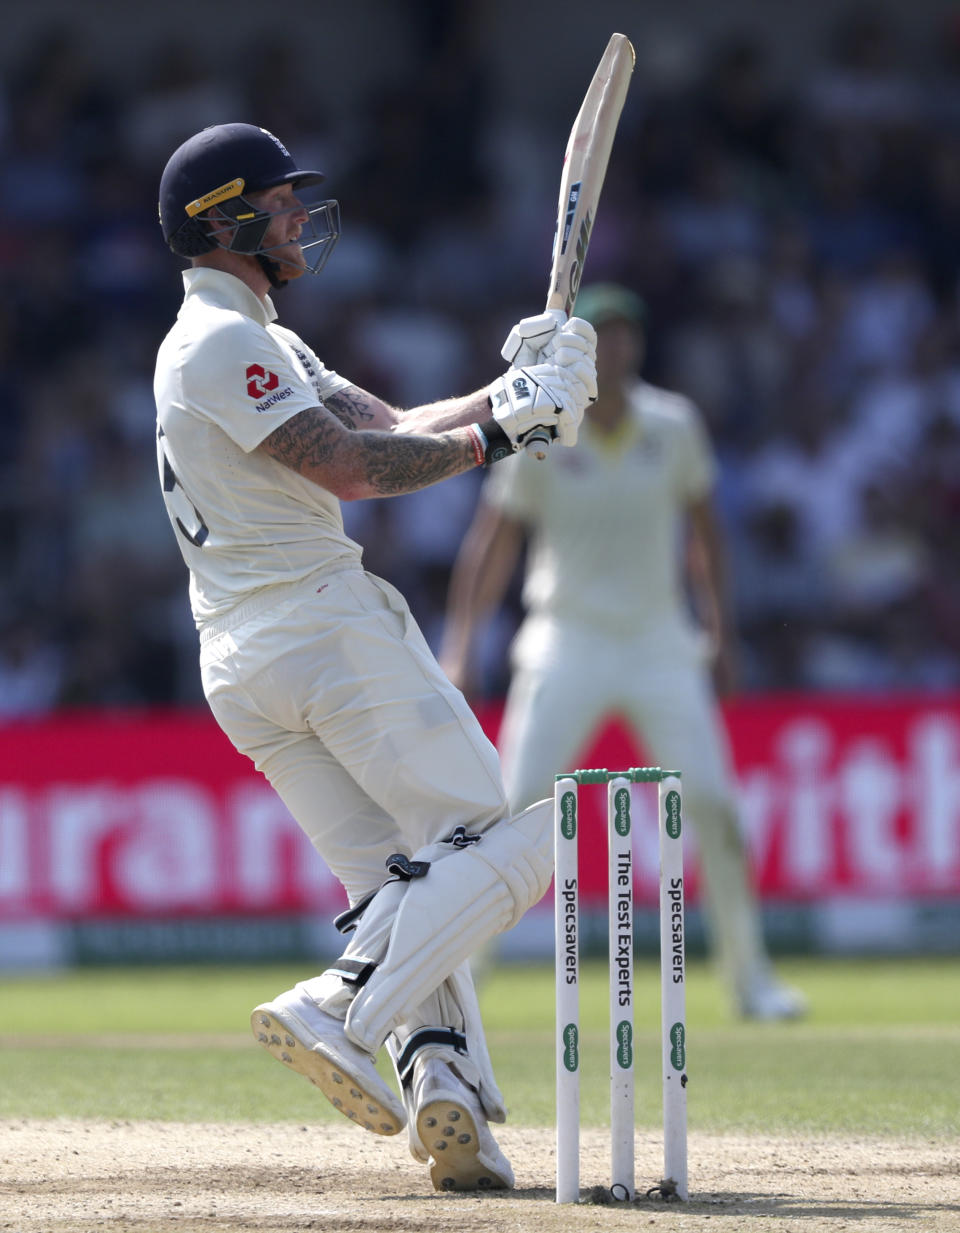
(331, 446)
(356, 408)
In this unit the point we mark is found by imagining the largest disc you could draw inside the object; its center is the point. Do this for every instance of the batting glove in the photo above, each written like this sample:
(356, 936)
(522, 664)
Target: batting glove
(525, 342)
(539, 340)
(539, 396)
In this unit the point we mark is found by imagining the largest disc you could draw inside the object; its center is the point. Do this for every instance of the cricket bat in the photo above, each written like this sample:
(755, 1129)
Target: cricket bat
(584, 167)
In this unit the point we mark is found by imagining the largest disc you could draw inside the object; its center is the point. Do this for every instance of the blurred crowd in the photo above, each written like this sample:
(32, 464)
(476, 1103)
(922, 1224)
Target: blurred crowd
(798, 247)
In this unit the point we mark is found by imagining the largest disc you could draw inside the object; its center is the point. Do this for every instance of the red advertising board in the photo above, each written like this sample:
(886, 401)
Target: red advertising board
(130, 813)
(138, 814)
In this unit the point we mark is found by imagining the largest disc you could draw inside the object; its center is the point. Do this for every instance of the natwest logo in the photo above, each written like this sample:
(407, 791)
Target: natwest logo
(259, 381)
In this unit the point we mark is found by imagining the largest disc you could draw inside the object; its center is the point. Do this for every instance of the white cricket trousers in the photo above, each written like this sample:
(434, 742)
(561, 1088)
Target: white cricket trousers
(330, 688)
(567, 679)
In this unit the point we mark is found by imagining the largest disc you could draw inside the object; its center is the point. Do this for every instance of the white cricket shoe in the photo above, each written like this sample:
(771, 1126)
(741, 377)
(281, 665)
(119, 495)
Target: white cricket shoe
(298, 1033)
(770, 1001)
(449, 1131)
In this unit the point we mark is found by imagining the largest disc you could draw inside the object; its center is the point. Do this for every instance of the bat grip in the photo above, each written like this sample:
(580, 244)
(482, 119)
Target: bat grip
(537, 444)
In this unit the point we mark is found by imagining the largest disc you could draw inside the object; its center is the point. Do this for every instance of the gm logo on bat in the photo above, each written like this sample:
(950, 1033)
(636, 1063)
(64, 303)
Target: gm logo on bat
(576, 268)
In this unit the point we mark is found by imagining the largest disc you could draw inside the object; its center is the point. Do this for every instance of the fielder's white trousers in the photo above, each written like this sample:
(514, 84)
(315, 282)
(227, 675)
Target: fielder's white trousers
(567, 679)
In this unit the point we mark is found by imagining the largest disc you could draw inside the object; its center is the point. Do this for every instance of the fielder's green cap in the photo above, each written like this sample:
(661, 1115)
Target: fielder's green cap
(602, 302)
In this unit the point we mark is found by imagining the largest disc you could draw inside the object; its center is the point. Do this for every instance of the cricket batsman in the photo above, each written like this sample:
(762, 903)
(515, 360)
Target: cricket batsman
(315, 668)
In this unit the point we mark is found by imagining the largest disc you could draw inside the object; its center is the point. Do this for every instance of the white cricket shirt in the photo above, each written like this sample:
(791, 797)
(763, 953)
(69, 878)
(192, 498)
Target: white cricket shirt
(227, 375)
(606, 518)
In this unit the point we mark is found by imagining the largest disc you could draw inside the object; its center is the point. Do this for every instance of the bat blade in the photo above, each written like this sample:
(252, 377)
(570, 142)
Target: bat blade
(584, 168)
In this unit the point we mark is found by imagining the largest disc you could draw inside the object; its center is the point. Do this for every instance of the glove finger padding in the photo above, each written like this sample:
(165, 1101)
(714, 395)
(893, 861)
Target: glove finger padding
(576, 333)
(527, 340)
(574, 349)
(580, 366)
(568, 425)
(570, 344)
(567, 429)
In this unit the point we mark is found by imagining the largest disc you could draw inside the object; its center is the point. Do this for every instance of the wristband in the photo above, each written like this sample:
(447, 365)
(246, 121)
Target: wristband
(479, 443)
(498, 444)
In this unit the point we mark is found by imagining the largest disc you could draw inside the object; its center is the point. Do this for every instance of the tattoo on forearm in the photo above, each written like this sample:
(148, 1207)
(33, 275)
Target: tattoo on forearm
(390, 463)
(305, 440)
(397, 464)
(351, 407)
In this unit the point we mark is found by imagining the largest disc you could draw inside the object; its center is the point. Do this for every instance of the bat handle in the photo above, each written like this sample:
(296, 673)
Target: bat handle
(537, 444)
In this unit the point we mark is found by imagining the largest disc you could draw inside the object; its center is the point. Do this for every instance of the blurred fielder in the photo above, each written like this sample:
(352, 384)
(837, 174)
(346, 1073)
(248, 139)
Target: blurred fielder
(608, 629)
(316, 670)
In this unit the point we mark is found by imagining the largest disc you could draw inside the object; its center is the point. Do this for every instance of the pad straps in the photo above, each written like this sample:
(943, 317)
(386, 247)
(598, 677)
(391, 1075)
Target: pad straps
(421, 1040)
(353, 971)
(403, 870)
(347, 921)
(357, 972)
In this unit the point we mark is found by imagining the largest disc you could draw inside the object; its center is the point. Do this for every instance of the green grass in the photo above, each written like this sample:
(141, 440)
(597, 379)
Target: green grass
(877, 1056)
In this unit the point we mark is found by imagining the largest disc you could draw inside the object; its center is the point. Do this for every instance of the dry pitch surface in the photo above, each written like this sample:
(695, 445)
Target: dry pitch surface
(154, 1177)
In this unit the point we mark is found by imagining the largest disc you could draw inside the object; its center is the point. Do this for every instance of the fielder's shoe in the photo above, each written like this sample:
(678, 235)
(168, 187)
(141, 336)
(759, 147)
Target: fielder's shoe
(314, 1044)
(449, 1131)
(771, 1001)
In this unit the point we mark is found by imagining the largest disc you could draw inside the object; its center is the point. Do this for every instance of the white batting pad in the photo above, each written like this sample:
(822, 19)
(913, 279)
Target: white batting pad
(469, 895)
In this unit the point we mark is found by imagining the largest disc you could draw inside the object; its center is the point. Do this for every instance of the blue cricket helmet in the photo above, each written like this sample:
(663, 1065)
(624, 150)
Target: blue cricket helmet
(216, 168)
